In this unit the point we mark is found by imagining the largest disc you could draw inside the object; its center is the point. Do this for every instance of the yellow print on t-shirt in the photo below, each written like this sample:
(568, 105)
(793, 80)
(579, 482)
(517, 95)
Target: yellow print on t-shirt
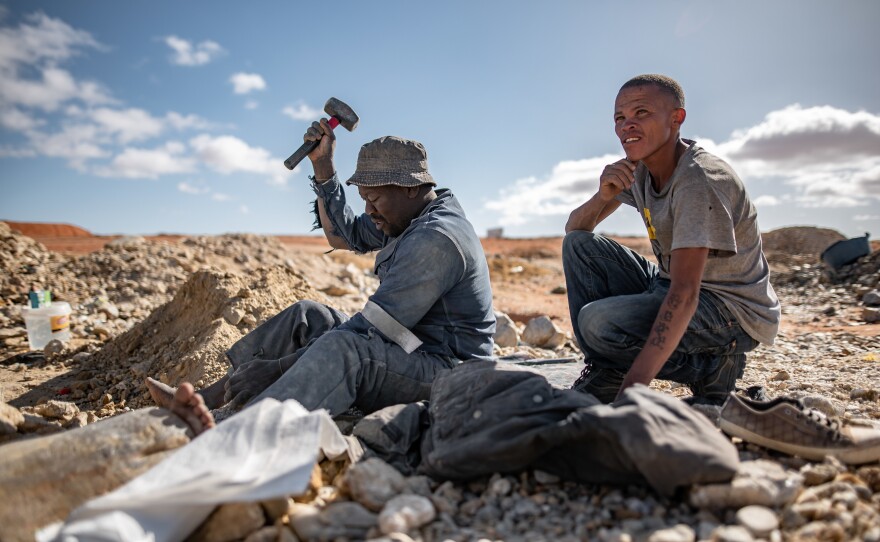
(652, 233)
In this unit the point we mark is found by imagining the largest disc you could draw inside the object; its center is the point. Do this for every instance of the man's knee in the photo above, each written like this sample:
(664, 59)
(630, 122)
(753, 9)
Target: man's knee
(305, 306)
(607, 331)
(576, 242)
(338, 344)
(592, 323)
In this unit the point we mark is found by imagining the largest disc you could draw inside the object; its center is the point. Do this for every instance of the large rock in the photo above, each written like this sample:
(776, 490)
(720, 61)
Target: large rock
(345, 520)
(43, 479)
(10, 419)
(758, 482)
(373, 483)
(542, 332)
(404, 513)
(506, 334)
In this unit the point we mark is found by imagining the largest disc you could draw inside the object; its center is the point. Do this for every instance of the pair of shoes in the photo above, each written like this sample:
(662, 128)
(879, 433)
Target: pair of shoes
(601, 383)
(714, 388)
(786, 425)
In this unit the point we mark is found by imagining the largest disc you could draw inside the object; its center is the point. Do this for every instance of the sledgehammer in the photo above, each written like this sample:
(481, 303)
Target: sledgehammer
(340, 113)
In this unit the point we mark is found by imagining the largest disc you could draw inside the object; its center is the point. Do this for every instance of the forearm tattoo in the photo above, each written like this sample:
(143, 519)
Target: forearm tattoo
(661, 328)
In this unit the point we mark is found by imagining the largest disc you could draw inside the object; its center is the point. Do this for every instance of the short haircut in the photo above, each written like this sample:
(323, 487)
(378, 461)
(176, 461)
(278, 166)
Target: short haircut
(665, 83)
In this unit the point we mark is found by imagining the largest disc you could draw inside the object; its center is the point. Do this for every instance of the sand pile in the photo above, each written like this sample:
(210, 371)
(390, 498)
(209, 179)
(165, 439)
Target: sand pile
(23, 261)
(800, 239)
(186, 338)
(112, 289)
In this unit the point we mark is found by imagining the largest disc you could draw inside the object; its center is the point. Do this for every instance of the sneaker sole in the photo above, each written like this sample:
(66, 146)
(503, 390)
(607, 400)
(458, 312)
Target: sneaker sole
(850, 456)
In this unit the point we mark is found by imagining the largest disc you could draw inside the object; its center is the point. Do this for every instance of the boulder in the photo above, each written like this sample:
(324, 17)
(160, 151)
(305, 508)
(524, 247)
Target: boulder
(872, 298)
(373, 483)
(404, 513)
(57, 410)
(10, 419)
(506, 334)
(43, 479)
(347, 520)
(758, 482)
(543, 332)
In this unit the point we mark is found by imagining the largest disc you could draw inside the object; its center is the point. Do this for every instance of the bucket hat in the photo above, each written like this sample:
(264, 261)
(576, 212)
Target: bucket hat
(392, 160)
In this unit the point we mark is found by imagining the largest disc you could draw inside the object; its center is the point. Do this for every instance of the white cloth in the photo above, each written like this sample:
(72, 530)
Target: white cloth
(266, 451)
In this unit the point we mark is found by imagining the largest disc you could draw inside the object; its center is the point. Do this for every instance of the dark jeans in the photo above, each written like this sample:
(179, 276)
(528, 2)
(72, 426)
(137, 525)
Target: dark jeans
(614, 296)
(336, 369)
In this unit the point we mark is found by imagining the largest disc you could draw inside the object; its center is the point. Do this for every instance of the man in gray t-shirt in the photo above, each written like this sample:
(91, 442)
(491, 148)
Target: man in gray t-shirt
(693, 317)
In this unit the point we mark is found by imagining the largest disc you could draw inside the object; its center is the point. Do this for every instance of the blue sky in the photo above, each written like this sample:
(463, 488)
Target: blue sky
(146, 117)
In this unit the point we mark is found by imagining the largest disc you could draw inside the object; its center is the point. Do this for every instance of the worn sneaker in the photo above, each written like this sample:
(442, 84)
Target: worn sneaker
(714, 388)
(601, 383)
(786, 425)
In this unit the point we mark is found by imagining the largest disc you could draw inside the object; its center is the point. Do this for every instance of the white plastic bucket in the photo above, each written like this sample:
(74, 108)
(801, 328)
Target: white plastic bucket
(47, 323)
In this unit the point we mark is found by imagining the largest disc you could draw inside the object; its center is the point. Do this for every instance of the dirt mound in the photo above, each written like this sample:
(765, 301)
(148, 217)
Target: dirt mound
(186, 338)
(800, 239)
(39, 229)
(23, 262)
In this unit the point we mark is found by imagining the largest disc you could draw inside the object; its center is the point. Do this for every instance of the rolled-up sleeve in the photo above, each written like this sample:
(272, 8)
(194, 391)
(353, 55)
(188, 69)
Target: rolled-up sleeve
(359, 232)
(428, 265)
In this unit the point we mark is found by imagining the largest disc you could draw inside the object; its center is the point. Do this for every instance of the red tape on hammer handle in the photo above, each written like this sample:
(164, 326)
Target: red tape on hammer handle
(306, 148)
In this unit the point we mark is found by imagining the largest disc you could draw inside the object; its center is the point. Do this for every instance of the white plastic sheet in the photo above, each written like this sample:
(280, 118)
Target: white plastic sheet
(266, 451)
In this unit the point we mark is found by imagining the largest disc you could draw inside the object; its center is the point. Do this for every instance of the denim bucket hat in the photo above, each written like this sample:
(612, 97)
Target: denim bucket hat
(392, 160)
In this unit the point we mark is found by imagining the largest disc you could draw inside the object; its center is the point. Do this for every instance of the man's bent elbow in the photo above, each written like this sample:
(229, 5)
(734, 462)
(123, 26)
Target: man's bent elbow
(571, 226)
(338, 242)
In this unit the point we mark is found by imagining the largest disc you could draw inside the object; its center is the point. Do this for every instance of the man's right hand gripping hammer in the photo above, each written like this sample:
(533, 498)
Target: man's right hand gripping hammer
(340, 113)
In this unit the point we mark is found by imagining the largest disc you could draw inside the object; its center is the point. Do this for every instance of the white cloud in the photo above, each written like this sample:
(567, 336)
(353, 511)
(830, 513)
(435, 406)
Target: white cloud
(244, 209)
(830, 156)
(570, 184)
(127, 124)
(18, 121)
(135, 163)
(228, 154)
(188, 188)
(39, 39)
(29, 59)
(54, 88)
(199, 188)
(16, 152)
(301, 111)
(243, 83)
(186, 122)
(795, 136)
(827, 157)
(866, 218)
(60, 116)
(187, 54)
(88, 134)
(766, 201)
(251, 104)
(76, 142)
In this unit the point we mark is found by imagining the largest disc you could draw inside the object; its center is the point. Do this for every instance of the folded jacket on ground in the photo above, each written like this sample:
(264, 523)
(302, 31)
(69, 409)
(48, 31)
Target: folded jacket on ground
(483, 418)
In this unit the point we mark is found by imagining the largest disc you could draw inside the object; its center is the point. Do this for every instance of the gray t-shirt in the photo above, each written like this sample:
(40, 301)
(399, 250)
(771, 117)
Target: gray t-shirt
(705, 205)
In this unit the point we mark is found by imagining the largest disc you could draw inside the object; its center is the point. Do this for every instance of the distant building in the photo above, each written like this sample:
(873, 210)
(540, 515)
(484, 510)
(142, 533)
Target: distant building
(495, 233)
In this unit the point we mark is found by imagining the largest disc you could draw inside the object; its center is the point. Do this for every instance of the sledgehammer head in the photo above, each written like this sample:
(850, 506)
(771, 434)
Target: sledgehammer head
(343, 113)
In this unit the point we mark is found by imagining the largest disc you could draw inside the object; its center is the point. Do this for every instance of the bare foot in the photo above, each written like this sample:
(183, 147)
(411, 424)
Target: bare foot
(190, 406)
(162, 394)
